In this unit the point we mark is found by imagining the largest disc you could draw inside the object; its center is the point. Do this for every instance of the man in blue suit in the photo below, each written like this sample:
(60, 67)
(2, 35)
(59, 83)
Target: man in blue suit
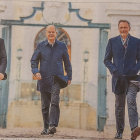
(122, 58)
(51, 54)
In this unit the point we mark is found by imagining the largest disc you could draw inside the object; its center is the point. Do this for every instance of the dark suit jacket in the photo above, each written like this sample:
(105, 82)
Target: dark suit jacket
(3, 57)
(51, 63)
(124, 63)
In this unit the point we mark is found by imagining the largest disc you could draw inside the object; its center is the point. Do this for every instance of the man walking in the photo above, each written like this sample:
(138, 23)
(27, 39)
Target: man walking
(122, 58)
(3, 60)
(51, 54)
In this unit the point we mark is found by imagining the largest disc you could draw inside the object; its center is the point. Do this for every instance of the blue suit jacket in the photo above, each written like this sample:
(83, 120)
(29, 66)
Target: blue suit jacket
(51, 63)
(123, 62)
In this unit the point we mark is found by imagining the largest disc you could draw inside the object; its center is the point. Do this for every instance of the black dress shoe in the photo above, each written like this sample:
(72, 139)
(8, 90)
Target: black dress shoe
(45, 132)
(52, 130)
(118, 135)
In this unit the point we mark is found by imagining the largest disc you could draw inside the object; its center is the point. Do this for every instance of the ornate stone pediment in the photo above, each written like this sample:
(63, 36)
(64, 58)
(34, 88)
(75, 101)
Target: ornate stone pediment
(2, 8)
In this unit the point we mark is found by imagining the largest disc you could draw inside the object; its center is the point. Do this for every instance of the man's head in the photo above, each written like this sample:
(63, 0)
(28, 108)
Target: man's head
(124, 28)
(51, 33)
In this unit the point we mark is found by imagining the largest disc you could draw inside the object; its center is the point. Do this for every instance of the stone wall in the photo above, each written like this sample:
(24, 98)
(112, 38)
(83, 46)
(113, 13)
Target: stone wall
(23, 113)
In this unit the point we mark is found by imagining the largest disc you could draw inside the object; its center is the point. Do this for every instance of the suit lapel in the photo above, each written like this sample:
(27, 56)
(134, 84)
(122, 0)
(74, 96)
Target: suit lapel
(120, 44)
(130, 42)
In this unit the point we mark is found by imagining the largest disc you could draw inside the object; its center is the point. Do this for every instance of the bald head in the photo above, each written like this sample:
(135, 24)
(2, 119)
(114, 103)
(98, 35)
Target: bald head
(51, 33)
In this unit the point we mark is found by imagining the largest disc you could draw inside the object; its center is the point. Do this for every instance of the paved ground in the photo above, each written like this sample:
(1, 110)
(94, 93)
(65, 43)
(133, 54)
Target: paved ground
(62, 133)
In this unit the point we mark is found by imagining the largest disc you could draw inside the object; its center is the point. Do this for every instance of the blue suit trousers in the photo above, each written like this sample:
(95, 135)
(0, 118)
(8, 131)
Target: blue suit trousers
(50, 106)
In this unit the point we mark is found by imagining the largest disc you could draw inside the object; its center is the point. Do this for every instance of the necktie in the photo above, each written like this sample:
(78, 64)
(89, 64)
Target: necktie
(125, 44)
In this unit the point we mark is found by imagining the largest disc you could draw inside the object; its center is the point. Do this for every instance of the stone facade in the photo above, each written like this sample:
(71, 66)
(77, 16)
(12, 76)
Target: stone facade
(23, 113)
(27, 104)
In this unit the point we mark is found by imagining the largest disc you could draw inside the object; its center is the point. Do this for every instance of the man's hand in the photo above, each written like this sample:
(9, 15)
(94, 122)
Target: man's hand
(38, 76)
(69, 82)
(1, 76)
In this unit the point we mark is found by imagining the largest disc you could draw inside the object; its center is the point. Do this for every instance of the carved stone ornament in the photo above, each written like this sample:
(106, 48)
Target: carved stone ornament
(56, 12)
